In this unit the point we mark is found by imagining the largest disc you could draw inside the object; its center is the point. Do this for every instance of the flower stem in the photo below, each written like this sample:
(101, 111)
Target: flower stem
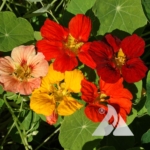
(4, 1)
(24, 141)
(48, 138)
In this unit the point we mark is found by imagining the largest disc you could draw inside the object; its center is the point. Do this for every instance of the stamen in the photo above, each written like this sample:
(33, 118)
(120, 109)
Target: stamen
(120, 59)
(72, 44)
(23, 72)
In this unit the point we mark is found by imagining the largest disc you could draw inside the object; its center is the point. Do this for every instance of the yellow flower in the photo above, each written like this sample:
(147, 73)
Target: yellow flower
(54, 95)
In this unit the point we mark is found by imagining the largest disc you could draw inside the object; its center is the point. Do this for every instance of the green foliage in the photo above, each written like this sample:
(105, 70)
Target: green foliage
(146, 137)
(79, 7)
(136, 90)
(76, 132)
(20, 24)
(30, 120)
(10, 34)
(146, 8)
(76, 7)
(37, 35)
(132, 116)
(147, 105)
(119, 15)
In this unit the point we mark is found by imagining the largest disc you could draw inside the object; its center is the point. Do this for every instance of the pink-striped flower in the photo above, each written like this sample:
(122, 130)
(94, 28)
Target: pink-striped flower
(22, 72)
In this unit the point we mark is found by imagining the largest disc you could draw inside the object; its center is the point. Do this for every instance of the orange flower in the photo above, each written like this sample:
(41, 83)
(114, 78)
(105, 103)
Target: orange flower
(22, 72)
(54, 95)
(113, 94)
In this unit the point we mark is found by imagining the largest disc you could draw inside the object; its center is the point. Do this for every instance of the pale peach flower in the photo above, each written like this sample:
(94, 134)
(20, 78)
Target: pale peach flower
(22, 72)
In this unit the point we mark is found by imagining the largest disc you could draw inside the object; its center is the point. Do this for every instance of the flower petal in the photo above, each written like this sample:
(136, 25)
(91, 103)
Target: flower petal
(52, 119)
(123, 102)
(134, 70)
(6, 66)
(42, 103)
(85, 57)
(68, 106)
(50, 49)
(89, 91)
(7, 82)
(96, 112)
(40, 70)
(24, 88)
(110, 88)
(39, 65)
(52, 76)
(65, 62)
(100, 52)
(22, 53)
(80, 27)
(73, 80)
(108, 73)
(27, 87)
(113, 41)
(53, 31)
(133, 46)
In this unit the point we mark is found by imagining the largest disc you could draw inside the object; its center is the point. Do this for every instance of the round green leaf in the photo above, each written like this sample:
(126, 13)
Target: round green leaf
(14, 31)
(146, 8)
(76, 132)
(146, 137)
(78, 6)
(125, 15)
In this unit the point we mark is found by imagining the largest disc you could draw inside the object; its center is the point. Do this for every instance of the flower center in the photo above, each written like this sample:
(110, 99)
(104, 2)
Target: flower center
(72, 44)
(103, 97)
(23, 72)
(58, 91)
(120, 59)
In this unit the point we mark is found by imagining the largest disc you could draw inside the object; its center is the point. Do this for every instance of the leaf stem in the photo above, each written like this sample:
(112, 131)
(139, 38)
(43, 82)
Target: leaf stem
(24, 141)
(50, 12)
(59, 5)
(7, 134)
(4, 1)
(48, 138)
(147, 33)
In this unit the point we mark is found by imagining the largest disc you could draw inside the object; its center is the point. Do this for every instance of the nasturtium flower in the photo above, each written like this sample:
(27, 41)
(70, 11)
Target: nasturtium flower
(115, 58)
(66, 44)
(107, 93)
(52, 119)
(22, 72)
(54, 95)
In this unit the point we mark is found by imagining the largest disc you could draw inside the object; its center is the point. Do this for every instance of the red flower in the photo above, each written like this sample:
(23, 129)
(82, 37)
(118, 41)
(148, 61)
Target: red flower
(115, 58)
(113, 94)
(64, 44)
